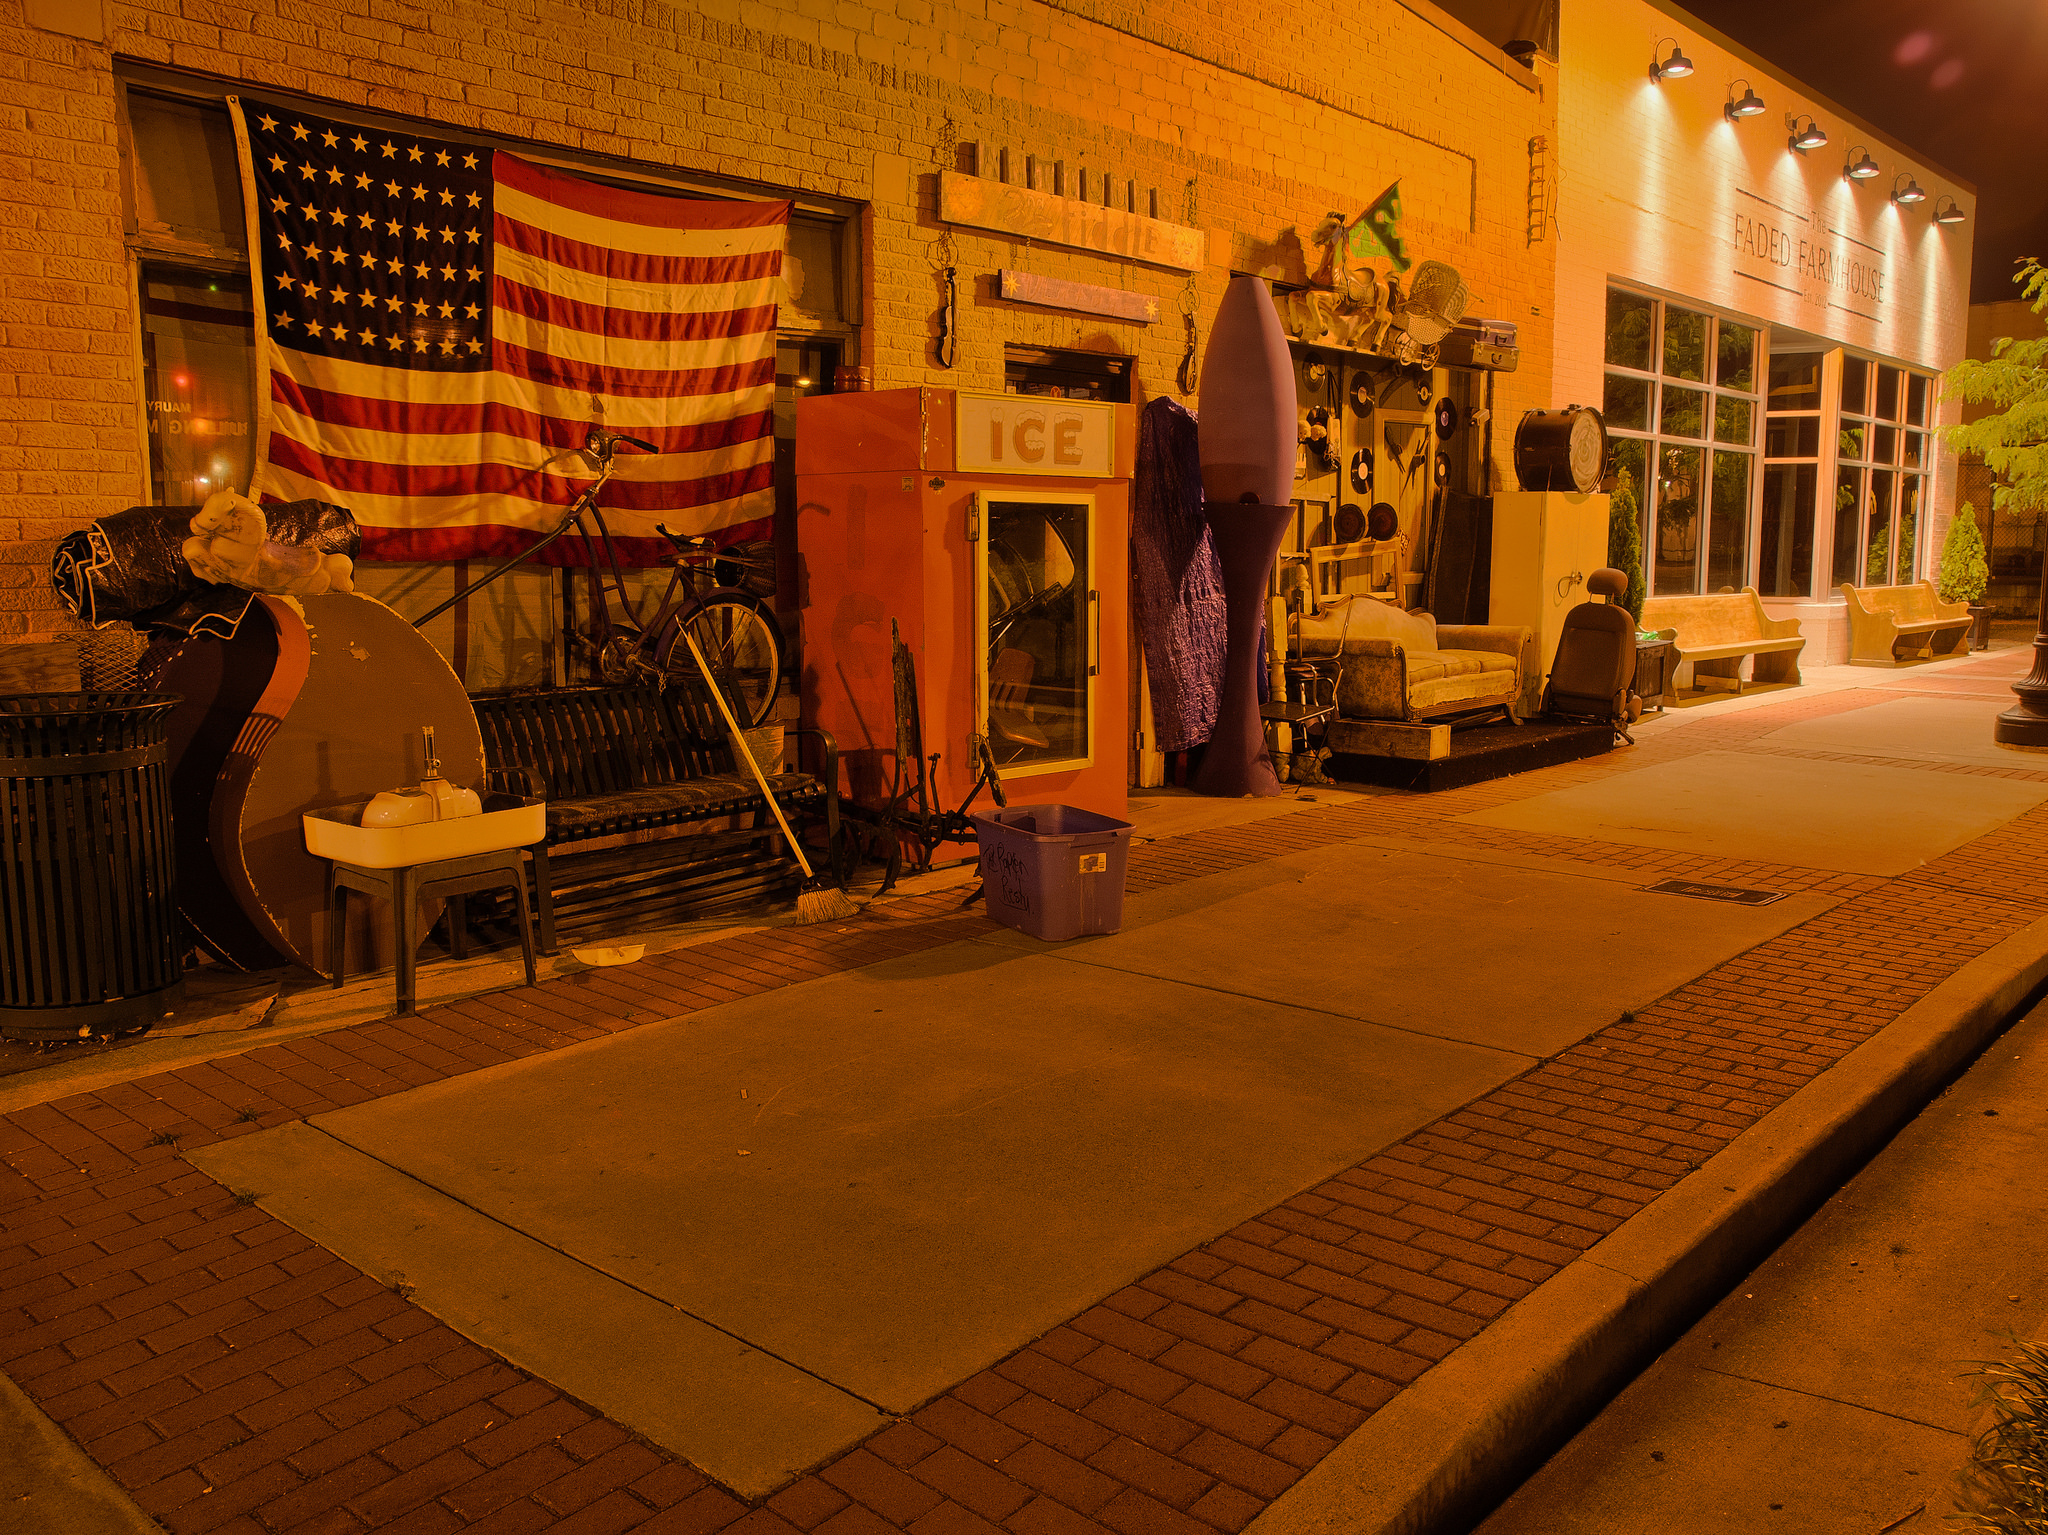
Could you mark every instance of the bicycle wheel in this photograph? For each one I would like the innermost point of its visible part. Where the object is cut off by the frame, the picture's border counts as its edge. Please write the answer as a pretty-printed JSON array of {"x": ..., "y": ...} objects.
[{"x": 739, "y": 640}]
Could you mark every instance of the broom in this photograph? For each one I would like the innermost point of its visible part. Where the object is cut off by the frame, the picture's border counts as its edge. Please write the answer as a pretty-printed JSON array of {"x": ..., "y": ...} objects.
[{"x": 820, "y": 900}]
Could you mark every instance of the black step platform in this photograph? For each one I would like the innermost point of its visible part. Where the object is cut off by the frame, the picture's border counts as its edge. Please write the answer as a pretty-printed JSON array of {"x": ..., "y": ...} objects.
[{"x": 1478, "y": 754}]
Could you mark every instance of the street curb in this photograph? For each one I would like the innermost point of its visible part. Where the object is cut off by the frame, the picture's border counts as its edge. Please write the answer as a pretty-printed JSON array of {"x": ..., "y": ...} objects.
[
  {"x": 1436, "y": 1458},
  {"x": 50, "y": 1485}
]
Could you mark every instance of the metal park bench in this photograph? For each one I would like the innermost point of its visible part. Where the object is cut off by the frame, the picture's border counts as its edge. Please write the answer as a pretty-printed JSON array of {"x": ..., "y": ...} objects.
[{"x": 649, "y": 817}]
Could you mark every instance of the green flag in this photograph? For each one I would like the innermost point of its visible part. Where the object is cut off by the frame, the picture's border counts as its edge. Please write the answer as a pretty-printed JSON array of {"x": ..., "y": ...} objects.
[{"x": 1377, "y": 231}]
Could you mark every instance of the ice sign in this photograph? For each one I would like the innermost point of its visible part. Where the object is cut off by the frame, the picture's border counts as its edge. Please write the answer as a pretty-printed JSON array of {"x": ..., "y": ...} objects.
[{"x": 1028, "y": 434}]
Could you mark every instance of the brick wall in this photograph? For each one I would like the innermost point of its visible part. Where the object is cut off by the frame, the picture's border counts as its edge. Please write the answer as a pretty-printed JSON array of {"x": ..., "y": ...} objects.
[
  {"x": 70, "y": 391},
  {"x": 1311, "y": 110}
]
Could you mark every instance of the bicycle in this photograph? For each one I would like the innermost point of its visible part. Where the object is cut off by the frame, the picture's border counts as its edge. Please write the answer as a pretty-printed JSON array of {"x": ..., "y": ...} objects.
[{"x": 733, "y": 626}]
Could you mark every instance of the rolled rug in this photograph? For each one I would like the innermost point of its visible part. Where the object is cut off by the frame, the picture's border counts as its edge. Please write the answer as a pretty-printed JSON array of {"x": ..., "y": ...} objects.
[{"x": 131, "y": 567}]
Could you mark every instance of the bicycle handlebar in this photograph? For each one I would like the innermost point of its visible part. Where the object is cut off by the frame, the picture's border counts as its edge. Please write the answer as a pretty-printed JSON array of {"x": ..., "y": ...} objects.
[{"x": 600, "y": 444}]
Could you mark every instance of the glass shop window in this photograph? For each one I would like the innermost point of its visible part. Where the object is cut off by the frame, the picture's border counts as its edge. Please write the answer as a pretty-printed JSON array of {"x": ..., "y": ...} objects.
[
  {"x": 184, "y": 181},
  {"x": 1067, "y": 375},
  {"x": 812, "y": 269},
  {"x": 1881, "y": 483},
  {"x": 1041, "y": 643},
  {"x": 1791, "y": 475},
  {"x": 1784, "y": 562},
  {"x": 197, "y": 332},
  {"x": 1682, "y": 410}
]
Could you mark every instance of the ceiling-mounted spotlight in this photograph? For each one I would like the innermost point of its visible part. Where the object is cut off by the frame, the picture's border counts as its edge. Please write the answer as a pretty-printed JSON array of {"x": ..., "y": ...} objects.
[
  {"x": 1749, "y": 104},
  {"x": 1677, "y": 67},
  {"x": 1948, "y": 211},
  {"x": 1863, "y": 169},
  {"x": 1812, "y": 136},
  {"x": 1908, "y": 194}
]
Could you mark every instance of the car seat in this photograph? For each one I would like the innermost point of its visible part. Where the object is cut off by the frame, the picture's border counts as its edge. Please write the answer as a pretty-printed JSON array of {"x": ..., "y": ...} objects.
[{"x": 1592, "y": 679}]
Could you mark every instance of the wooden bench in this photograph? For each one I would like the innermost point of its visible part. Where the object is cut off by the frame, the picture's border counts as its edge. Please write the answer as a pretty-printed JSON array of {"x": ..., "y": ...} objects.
[
  {"x": 1897, "y": 625},
  {"x": 1716, "y": 631},
  {"x": 649, "y": 817}
]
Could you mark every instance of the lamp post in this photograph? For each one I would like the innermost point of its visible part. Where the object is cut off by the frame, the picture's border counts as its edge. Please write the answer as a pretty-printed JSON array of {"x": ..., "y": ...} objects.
[{"x": 2024, "y": 727}]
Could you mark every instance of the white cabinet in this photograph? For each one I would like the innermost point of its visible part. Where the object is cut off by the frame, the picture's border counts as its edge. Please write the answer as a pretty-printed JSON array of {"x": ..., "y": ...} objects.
[{"x": 1545, "y": 544}]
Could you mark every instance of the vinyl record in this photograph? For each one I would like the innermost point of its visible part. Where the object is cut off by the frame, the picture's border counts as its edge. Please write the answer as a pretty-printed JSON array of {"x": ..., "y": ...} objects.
[
  {"x": 1350, "y": 524},
  {"x": 1361, "y": 471},
  {"x": 1382, "y": 521},
  {"x": 1446, "y": 419},
  {"x": 1443, "y": 467},
  {"x": 1361, "y": 393}
]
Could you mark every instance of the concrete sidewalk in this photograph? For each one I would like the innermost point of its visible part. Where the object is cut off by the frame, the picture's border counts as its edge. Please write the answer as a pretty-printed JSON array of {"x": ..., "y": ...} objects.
[{"x": 911, "y": 1223}]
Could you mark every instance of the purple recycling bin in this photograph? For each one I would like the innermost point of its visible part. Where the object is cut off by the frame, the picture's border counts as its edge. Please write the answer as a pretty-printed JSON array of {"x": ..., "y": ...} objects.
[{"x": 1053, "y": 871}]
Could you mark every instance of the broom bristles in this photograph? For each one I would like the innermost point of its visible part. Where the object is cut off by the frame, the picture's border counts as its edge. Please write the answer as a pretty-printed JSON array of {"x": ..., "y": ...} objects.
[{"x": 828, "y": 903}]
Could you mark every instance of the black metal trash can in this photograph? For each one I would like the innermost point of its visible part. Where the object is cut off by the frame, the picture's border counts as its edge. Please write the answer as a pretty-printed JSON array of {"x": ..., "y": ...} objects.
[{"x": 88, "y": 915}]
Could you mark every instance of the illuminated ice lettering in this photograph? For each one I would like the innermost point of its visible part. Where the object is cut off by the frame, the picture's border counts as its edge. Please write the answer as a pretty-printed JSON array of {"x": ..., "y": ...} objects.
[{"x": 1006, "y": 869}]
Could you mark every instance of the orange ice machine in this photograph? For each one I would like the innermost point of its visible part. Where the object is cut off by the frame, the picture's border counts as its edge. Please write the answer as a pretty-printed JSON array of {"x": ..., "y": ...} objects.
[{"x": 994, "y": 529}]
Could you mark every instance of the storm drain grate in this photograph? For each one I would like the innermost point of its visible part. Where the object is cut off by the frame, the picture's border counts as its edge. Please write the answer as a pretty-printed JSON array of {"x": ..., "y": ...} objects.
[{"x": 1734, "y": 893}]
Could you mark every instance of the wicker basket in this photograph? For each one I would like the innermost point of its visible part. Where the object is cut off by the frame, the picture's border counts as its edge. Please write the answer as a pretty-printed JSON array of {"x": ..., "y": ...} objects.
[{"x": 767, "y": 743}]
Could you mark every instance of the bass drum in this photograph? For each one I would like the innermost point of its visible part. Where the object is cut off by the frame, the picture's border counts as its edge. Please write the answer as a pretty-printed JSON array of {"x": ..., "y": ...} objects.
[{"x": 1561, "y": 450}]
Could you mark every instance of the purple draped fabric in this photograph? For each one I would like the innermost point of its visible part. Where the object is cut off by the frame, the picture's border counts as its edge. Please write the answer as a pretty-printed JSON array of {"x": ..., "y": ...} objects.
[{"x": 1179, "y": 588}]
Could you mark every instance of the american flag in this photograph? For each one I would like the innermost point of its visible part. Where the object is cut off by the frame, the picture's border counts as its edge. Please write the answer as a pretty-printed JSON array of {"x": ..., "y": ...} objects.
[{"x": 441, "y": 325}]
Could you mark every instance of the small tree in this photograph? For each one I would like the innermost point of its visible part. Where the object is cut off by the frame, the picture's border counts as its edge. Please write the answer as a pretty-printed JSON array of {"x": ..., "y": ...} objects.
[
  {"x": 2013, "y": 439},
  {"x": 1625, "y": 543},
  {"x": 1964, "y": 575}
]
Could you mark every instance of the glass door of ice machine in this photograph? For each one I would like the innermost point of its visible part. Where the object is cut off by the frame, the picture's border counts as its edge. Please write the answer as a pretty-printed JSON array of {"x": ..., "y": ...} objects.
[{"x": 1038, "y": 616}]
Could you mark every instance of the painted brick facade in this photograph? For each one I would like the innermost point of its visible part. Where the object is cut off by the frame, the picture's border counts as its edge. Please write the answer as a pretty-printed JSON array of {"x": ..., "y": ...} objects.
[{"x": 1274, "y": 124}]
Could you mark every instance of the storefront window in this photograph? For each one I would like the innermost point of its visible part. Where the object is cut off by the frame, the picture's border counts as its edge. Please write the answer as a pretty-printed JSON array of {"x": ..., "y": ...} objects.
[
  {"x": 1848, "y": 529},
  {"x": 1631, "y": 324},
  {"x": 1882, "y": 481},
  {"x": 1784, "y": 555},
  {"x": 197, "y": 333},
  {"x": 1677, "y": 545},
  {"x": 1736, "y": 368},
  {"x": 1727, "y": 567},
  {"x": 1681, "y": 416},
  {"x": 1916, "y": 399},
  {"x": 1677, "y": 379},
  {"x": 1629, "y": 460},
  {"x": 1791, "y": 432},
  {"x": 1888, "y": 393},
  {"x": 1626, "y": 404},
  {"x": 1685, "y": 344},
  {"x": 1855, "y": 387},
  {"x": 1877, "y": 566},
  {"x": 1795, "y": 381}
]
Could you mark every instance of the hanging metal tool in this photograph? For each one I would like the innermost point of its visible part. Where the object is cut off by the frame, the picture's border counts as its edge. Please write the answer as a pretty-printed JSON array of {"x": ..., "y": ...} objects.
[
  {"x": 1190, "y": 299},
  {"x": 948, "y": 348},
  {"x": 946, "y": 260}
]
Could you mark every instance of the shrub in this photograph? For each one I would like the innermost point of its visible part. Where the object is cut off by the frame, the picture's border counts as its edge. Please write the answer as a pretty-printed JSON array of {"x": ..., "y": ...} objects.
[
  {"x": 1964, "y": 575},
  {"x": 1625, "y": 543},
  {"x": 2005, "y": 1485}
]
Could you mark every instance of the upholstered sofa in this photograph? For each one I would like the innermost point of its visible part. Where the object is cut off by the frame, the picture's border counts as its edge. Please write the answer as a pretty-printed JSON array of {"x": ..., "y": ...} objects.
[{"x": 1408, "y": 667}]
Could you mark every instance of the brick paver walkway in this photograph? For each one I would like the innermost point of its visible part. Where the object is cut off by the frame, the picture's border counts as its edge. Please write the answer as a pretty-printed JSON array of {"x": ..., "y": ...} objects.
[{"x": 236, "y": 1377}]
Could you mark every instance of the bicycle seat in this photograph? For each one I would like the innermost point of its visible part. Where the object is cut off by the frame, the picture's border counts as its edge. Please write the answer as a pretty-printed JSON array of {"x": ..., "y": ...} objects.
[{"x": 685, "y": 543}]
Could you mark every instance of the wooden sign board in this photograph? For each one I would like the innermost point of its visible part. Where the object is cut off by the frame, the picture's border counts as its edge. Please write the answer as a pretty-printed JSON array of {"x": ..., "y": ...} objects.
[
  {"x": 1081, "y": 297},
  {"x": 980, "y": 203},
  {"x": 1032, "y": 434}
]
